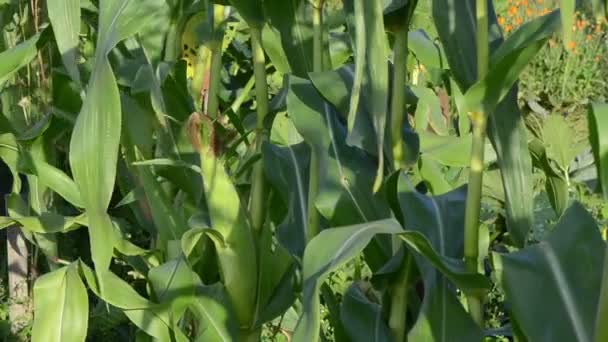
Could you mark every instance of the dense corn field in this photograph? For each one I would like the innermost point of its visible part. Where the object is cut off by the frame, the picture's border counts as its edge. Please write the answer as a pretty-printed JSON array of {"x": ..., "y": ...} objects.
[{"x": 304, "y": 170}]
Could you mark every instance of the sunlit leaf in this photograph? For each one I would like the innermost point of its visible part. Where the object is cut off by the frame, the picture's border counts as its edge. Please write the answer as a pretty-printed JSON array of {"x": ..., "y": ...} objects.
[
  {"x": 146, "y": 315},
  {"x": 61, "y": 306},
  {"x": 65, "y": 18},
  {"x": 96, "y": 135}
]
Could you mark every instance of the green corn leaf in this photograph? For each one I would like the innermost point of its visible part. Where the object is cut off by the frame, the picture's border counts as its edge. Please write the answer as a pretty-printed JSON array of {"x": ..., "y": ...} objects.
[
  {"x": 339, "y": 87},
  {"x": 96, "y": 136},
  {"x": 286, "y": 169},
  {"x": 146, "y": 315},
  {"x": 326, "y": 252},
  {"x": 433, "y": 176},
  {"x": 65, "y": 19},
  {"x": 560, "y": 142},
  {"x": 455, "y": 23},
  {"x": 45, "y": 223},
  {"x": 363, "y": 319},
  {"x": 333, "y": 247},
  {"x": 543, "y": 284},
  {"x": 292, "y": 19},
  {"x": 447, "y": 150},
  {"x": 377, "y": 73},
  {"x": 347, "y": 172},
  {"x": 275, "y": 290},
  {"x": 598, "y": 126},
  {"x": 556, "y": 185},
  {"x": 451, "y": 150},
  {"x": 440, "y": 219},
  {"x": 61, "y": 306},
  {"x": 16, "y": 58},
  {"x": 357, "y": 23},
  {"x": 37, "y": 129},
  {"x": 169, "y": 223},
  {"x": 425, "y": 50},
  {"x": 507, "y": 133},
  {"x": 94, "y": 153},
  {"x": 53, "y": 178},
  {"x": 271, "y": 39},
  {"x": 9, "y": 153},
  {"x": 428, "y": 111},
  {"x": 177, "y": 285},
  {"x": 508, "y": 61}
]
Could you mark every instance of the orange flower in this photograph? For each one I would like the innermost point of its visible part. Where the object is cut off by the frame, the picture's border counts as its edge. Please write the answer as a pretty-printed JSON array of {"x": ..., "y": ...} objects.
[
  {"x": 508, "y": 28},
  {"x": 540, "y": 1},
  {"x": 589, "y": 37},
  {"x": 518, "y": 21},
  {"x": 545, "y": 11},
  {"x": 580, "y": 24},
  {"x": 524, "y": 3},
  {"x": 529, "y": 12},
  {"x": 501, "y": 21},
  {"x": 572, "y": 45},
  {"x": 512, "y": 10}
]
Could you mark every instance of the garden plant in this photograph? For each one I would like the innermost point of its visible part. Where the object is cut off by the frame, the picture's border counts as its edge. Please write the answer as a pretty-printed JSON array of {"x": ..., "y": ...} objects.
[{"x": 304, "y": 170}]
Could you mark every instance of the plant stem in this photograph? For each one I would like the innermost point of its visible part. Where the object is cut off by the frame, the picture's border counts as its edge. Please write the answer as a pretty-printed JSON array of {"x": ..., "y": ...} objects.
[
  {"x": 398, "y": 316},
  {"x": 313, "y": 185},
  {"x": 261, "y": 92},
  {"x": 399, "y": 295},
  {"x": 398, "y": 96},
  {"x": 473, "y": 208}
]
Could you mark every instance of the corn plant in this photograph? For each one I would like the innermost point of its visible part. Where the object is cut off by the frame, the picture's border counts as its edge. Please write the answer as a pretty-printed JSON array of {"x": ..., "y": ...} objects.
[{"x": 303, "y": 170}]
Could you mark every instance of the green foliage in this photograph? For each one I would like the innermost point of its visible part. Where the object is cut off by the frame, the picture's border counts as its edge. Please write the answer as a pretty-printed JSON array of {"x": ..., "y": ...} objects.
[
  {"x": 297, "y": 170},
  {"x": 565, "y": 79}
]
